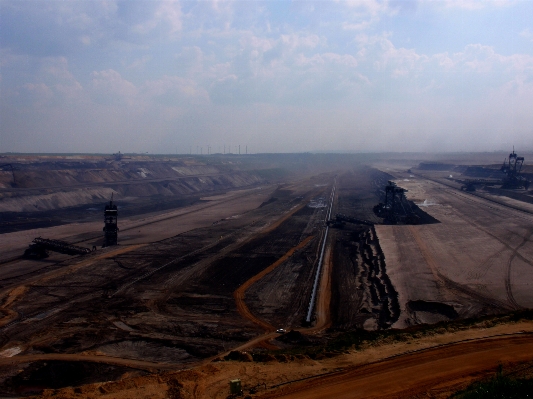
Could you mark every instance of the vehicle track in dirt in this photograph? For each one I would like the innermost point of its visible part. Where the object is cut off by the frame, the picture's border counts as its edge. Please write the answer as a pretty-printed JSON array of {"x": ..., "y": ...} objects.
[
  {"x": 267, "y": 220},
  {"x": 12, "y": 294},
  {"x": 508, "y": 286},
  {"x": 173, "y": 214},
  {"x": 323, "y": 301},
  {"x": 240, "y": 293},
  {"x": 514, "y": 254},
  {"x": 460, "y": 193},
  {"x": 446, "y": 282},
  {"x": 166, "y": 216},
  {"x": 247, "y": 232},
  {"x": 498, "y": 210}
]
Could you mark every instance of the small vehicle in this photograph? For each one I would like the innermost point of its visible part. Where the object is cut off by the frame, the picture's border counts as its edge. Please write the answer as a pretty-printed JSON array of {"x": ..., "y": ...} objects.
[{"x": 281, "y": 331}]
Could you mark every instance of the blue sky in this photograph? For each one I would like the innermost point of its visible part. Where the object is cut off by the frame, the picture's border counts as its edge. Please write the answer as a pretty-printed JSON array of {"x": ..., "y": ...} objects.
[{"x": 276, "y": 76}]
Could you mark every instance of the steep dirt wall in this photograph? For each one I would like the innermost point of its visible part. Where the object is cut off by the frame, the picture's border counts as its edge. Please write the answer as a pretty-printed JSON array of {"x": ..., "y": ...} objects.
[
  {"x": 46, "y": 186},
  {"x": 189, "y": 185},
  {"x": 56, "y": 174},
  {"x": 56, "y": 200}
]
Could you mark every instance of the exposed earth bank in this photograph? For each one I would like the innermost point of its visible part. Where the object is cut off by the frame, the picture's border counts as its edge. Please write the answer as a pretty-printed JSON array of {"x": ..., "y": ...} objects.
[{"x": 426, "y": 363}]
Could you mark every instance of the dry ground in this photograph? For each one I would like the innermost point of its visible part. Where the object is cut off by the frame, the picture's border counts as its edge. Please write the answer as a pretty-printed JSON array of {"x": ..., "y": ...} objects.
[
  {"x": 477, "y": 260},
  {"x": 188, "y": 284},
  {"x": 162, "y": 304},
  {"x": 433, "y": 366}
]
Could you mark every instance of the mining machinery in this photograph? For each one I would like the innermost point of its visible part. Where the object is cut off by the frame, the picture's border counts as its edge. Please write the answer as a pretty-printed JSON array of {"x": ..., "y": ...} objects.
[
  {"x": 41, "y": 246},
  {"x": 110, "y": 224},
  {"x": 119, "y": 157},
  {"x": 396, "y": 209},
  {"x": 512, "y": 167},
  {"x": 471, "y": 184}
]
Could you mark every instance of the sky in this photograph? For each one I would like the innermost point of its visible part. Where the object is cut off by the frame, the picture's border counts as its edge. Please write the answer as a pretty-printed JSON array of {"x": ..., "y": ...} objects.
[{"x": 271, "y": 76}]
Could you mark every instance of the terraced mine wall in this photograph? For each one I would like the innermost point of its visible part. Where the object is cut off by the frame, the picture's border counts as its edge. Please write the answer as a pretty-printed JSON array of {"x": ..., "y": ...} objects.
[
  {"x": 49, "y": 193},
  {"x": 72, "y": 184}
]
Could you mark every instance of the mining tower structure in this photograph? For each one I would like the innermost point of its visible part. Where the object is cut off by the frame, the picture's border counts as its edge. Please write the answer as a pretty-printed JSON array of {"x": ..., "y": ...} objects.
[
  {"x": 110, "y": 227},
  {"x": 512, "y": 167},
  {"x": 396, "y": 209}
]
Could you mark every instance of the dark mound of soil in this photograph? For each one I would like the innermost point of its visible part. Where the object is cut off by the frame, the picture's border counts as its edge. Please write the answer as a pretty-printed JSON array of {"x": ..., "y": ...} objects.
[
  {"x": 433, "y": 307},
  {"x": 58, "y": 374},
  {"x": 295, "y": 338}
]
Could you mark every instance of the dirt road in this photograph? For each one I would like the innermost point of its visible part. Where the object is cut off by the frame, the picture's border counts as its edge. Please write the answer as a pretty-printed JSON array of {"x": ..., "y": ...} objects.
[
  {"x": 323, "y": 300},
  {"x": 408, "y": 375},
  {"x": 240, "y": 293}
]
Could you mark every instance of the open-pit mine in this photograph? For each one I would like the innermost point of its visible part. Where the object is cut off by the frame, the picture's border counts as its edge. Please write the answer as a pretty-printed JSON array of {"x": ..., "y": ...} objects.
[{"x": 256, "y": 268}]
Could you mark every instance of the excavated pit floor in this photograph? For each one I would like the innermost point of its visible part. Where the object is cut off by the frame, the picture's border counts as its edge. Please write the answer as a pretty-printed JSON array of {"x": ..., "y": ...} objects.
[{"x": 170, "y": 300}]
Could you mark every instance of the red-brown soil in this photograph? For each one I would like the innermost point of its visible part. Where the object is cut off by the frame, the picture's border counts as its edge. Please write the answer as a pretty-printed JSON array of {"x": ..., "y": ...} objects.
[{"x": 435, "y": 370}]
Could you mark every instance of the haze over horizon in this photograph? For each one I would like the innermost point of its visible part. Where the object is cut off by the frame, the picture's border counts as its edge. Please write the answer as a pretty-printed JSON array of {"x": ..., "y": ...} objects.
[{"x": 275, "y": 76}]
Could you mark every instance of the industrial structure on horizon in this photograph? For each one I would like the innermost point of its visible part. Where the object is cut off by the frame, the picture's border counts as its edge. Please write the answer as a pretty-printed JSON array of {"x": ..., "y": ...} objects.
[
  {"x": 513, "y": 180},
  {"x": 110, "y": 227},
  {"x": 512, "y": 167}
]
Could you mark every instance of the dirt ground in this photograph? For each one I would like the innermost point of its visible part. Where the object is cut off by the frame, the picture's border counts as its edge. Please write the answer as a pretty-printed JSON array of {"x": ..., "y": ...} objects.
[
  {"x": 164, "y": 296},
  {"x": 222, "y": 269},
  {"x": 432, "y": 366},
  {"x": 433, "y": 373},
  {"x": 477, "y": 260}
]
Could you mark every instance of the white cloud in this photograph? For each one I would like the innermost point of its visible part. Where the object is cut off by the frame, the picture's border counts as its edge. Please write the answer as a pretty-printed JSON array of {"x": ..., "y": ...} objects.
[
  {"x": 444, "y": 61},
  {"x": 174, "y": 90},
  {"x": 57, "y": 67},
  {"x": 469, "y": 4},
  {"x": 108, "y": 86},
  {"x": 359, "y": 26},
  {"x": 139, "y": 63},
  {"x": 169, "y": 12},
  {"x": 385, "y": 56},
  {"x": 294, "y": 41},
  {"x": 56, "y": 71},
  {"x": 39, "y": 90},
  {"x": 53, "y": 85},
  {"x": 203, "y": 67},
  {"x": 527, "y": 34},
  {"x": 369, "y": 7},
  {"x": 326, "y": 59},
  {"x": 484, "y": 59},
  {"x": 362, "y": 14}
]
